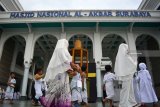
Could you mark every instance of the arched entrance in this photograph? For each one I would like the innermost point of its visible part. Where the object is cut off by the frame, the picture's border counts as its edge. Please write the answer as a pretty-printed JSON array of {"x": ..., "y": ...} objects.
[
  {"x": 12, "y": 60},
  {"x": 86, "y": 43},
  {"x": 43, "y": 50},
  {"x": 148, "y": 46},
  {"x": 110, "y": 45}
]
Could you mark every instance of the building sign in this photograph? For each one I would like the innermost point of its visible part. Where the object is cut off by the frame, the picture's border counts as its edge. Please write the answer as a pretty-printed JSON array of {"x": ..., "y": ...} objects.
[{"x": 94, "y": 13}]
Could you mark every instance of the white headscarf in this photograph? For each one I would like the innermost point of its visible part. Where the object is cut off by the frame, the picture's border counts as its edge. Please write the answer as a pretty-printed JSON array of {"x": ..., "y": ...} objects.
[
  {"x": 60, "y": 61},
  {"x": 142, "y": 66},
  {"x": 124, "y": 64},
  {"x": 143, "y": 69}
]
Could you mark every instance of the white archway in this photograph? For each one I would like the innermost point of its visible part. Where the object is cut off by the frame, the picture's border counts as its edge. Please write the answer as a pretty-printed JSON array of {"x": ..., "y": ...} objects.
[
  {"x": 43, "y": 49},
  {"x": 11, "y": 62},
  {"x": 110, "y": 44}
]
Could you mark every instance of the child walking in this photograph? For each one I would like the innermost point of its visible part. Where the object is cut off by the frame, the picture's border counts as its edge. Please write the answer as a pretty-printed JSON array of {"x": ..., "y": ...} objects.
[
  {"x": 38, "y": 85},
  {"x": 10, "y": 89},
  {"x": 84, "y": 86},
  {"x": 109, "y": 86},
  {"x": 76, "y": 85}
]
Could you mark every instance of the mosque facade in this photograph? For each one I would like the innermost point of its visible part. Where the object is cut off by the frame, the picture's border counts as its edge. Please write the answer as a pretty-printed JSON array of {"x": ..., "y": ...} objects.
[{"x": 28, "y": 39}]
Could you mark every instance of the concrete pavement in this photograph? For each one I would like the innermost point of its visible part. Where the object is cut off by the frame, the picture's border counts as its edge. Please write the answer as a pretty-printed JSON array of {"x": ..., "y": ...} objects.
[{"x": 28, "y": 104}]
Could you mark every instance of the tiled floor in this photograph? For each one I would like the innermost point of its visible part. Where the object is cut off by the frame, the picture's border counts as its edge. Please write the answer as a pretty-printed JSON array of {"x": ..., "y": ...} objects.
[{"x": 28, "y": 104}]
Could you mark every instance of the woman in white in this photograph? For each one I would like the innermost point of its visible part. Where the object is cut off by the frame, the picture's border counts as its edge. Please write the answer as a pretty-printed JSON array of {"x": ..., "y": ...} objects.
[
  {"x": 147, "y": 94},
  {"x": 125, "y": 67},
  {"x": 57, "y": 79},
  {"x": 109, "y": 86}
]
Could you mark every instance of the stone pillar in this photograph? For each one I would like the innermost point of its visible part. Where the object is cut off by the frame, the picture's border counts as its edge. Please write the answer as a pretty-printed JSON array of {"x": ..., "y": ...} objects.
[
  {"x": 30, "y": 88},
  {"x": 63, "y": 35},
  {"x": 98, "y": 56},
  {"x": 27, "y": 63},
  {"x": 13, "y": 64},
  {"x": 132, "y": 45},
  {"x": 25, "y": 80}
]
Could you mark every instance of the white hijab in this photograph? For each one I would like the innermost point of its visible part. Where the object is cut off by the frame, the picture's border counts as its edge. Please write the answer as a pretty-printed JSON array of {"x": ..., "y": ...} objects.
[
  {"x": 142, "y": 66},
  {"x": 124, "y": 64},
  {"x": 144, "y": 71},
  {"x": 60, "y": 61}
]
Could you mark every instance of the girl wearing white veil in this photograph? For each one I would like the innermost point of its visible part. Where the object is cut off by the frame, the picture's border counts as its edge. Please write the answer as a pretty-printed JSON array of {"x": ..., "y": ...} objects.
[
  {"x": 125, "y": 67},
  {"x": 57, "y": 79},
  {"x": 147, "y": 94}
]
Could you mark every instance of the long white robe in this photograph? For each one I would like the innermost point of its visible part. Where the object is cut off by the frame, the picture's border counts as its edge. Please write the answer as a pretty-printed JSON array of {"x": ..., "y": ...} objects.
[
  {"x": 125, "y": 67},
  {"x": 147, "y": 94},
  {"x": 57, "y": 80},
  {"x": 10, "y": 90},
  {"x": 38, "y": 88},
  {"x": 136, "y": 88}
]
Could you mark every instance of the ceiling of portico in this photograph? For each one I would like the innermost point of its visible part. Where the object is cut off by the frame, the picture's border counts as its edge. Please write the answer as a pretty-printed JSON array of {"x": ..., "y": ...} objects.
[
  {"x": 19, "y": 40},
  {"x": 110, "y": 45},
  {"x": 45, "y": 44},
  {"x": 44, "y": 48},
  {"x": 146, "y": 42}
]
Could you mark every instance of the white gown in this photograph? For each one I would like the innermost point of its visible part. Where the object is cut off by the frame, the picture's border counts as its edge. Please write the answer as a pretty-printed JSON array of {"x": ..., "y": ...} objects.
[
  {"x": 10, "y": 90},
  {"x": 108, "y": 81},
  {"x": 125, "y": 67},
  {"x": 147, "y": 94},
  {"x": 38, "y": 88},
  {"x": 136, "y": 89}
]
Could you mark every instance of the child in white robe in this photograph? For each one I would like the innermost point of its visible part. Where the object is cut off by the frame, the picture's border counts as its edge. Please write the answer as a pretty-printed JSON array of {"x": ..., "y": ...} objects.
[
  {"x": 10, "y": 88},
  {"x": 109, "y": 85},
  {"x": 76, "y": 86},
  {"x": 147, "y": 94},
  {"x": 38, "y": 85},
  {"x": 84, "y": 86}
]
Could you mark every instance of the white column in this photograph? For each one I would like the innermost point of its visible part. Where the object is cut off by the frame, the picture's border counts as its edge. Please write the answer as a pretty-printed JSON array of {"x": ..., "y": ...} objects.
[
  {"x": 13, "y": 64},
  {"x": 27, "y": 63},
  {"x": 63, "y": 35},
  {"x": 28, "y": 55},
  {"x": 25, "y": 79},
  {"x": 98, "y": 56},
  {"x": 132, "y": 45}
]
